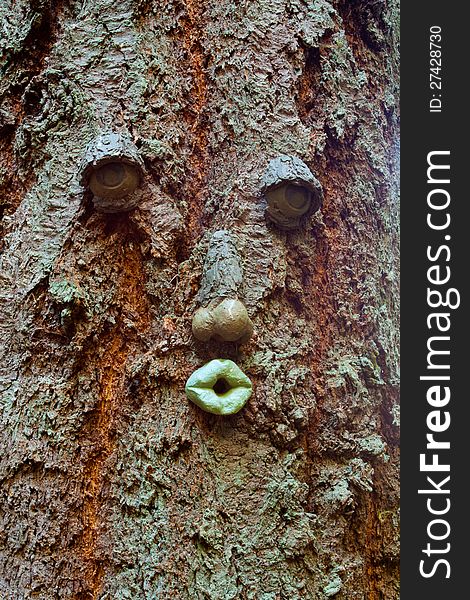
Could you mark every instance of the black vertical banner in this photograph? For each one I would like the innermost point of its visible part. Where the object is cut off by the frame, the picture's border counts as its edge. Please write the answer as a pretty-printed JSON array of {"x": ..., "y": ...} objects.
[{"x": 435, "y": 441}]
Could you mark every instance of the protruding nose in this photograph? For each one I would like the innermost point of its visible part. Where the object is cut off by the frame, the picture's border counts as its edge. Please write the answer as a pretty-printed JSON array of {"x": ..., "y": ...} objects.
[
  {"x": 225, "y": 320},
  {"x": 222, "y": 315}
]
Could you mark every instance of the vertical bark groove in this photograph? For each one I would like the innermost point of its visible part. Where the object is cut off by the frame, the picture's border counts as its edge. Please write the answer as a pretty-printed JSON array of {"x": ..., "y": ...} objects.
[
  {"x": 199, "y": 158},
  {"x": 110, "y": 354}
]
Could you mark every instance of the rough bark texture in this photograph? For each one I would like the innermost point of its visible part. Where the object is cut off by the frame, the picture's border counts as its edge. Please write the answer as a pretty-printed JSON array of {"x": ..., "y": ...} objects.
[{"x": 114, "y": 485}]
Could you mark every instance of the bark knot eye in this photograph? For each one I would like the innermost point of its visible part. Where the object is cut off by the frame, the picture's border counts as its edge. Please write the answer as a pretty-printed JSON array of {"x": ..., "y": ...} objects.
[
  {"x": 298, "y": 198},
  {"x": 113, "y": 169},
  {"x": 291, "y": 191},
  {"x": 111, "y": 175},
  {"x": 114, "y": 180}
]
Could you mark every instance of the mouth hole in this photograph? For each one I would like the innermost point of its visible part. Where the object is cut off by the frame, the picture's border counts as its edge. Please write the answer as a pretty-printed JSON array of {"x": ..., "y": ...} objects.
[{"x": 221, "y": 386}]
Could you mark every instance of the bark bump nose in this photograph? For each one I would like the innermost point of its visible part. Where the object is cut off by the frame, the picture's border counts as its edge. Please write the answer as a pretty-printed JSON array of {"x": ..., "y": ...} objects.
[
  {"x": 225, "y": 320},
  {"x": 222, "y": 315},
  {"x": 291, "y": 191},
  {"x": 112, "y": 168},
  {"x": 219, "y": 387}
]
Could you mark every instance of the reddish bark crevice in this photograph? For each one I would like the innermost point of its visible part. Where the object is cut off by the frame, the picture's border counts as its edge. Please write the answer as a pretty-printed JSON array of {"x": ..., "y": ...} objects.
[
  {"x": 199, "y": 158},
  {"x": 110, "y": 353},
  {"x": 115, "y": 355}
]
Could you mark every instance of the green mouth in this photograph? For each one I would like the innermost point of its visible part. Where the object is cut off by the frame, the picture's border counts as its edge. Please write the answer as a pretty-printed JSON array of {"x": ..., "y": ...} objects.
[{"x": 219, "y": 387}]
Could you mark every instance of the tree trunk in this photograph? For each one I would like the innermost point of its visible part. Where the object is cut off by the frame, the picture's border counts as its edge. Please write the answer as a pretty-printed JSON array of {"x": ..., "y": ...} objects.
[{"x": 113, "y": 484}]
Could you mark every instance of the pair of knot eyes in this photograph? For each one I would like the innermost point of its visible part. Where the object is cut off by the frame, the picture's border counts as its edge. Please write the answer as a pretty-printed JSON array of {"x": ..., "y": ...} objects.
[{"x": 113, "y": 169}]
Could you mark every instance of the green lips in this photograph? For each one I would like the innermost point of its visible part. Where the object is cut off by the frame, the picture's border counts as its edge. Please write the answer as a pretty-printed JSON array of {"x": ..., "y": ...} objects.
[{"x": 219, "y": 387}]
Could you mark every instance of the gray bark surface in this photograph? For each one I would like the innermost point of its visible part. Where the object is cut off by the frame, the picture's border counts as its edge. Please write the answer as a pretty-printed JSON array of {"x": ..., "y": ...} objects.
[{"x": 112, "y": 484}]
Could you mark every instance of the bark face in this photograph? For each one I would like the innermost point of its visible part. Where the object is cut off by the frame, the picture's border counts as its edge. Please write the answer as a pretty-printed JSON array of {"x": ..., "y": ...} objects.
[{"x": 113, "y": 484}]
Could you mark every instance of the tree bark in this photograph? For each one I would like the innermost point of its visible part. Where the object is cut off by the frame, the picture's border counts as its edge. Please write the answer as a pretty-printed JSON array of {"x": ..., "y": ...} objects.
[{"x": 114, "y": 485}]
